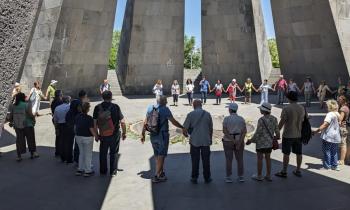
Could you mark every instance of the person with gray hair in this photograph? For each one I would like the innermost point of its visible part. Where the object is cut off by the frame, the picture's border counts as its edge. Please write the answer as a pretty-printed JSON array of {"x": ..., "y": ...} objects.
[{"x": 199, "y": 124}]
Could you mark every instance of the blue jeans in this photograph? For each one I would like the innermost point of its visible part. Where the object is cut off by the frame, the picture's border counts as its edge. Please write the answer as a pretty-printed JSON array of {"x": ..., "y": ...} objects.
[
  {"x": 160, "y": 143},
  {"x": 264, "y": 97},
  {"x": 280, "y": 94},
  {"x": 204, "y": 95},
  {"x": 330, "y": 155},
  {"x": 110, "y": 143},
  {"x": 190, "y": 97}
]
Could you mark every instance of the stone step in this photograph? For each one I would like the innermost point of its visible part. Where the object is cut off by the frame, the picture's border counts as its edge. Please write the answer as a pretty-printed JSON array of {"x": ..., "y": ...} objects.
[{"x": 113, "y": 80}]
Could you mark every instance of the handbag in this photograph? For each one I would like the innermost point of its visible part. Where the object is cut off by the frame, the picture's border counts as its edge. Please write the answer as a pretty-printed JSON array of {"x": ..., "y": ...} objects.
[{"x": 275, "y": 145}]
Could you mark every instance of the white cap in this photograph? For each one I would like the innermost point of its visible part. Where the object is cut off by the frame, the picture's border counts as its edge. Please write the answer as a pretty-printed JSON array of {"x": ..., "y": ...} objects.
[
  {"x": 234, "y": 80},
  {"x": 17, "y": 84}
]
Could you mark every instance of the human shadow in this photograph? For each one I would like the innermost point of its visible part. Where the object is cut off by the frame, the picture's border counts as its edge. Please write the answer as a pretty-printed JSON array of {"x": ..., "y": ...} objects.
[{"x": 7, "y": 139}]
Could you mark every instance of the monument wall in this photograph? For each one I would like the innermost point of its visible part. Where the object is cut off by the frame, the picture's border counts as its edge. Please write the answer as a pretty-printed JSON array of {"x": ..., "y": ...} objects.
[
  {"x": 152, "y": 45},
  {"x": 234, "y": 41},
  {"x": 17, "y": 22},
  {"x": 313, "y": 39},
  {"x": 71, "y": 45}
]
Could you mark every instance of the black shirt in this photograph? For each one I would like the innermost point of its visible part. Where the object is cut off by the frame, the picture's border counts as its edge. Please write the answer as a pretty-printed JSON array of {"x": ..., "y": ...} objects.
[
  {"x": 83, "y": 123},
  {"x": 117, "y": 115},
  {"x": 55, "y": 103}
]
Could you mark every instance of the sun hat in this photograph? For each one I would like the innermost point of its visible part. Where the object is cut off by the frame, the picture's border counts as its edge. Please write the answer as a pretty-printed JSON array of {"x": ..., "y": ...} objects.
[
  {"x": 53, "y": 82},
  {"x": 234, "y": 80},
  {"x": 266, "y": 107}
]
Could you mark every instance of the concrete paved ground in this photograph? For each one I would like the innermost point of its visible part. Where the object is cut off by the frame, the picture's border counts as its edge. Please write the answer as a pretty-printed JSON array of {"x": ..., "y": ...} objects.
[{"x": 45, "y": 183}]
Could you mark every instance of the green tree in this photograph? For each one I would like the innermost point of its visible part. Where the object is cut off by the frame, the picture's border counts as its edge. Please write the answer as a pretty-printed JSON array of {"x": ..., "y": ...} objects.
[
  {"x": 274, "y": 53},
  {"x": 113, "y": 53},
  {"x": 192, "y": 54}
]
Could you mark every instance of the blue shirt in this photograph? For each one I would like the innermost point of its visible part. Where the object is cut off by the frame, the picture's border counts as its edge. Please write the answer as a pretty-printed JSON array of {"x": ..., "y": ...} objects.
[
  {"x": 60, "y": 113},
  {"x": 204, "y": 86},
  {"x": 164, "y": 116}
]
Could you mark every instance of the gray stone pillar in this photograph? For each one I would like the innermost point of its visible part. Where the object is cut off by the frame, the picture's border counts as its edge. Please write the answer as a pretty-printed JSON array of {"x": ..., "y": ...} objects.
[
  {"x": 152, "y": 45},
  {"x": 17, "y": 21},
  {"x": 71, "y": 44},
  {"x": 234, "y": 41},
  {"x": 310, "y": 36}
]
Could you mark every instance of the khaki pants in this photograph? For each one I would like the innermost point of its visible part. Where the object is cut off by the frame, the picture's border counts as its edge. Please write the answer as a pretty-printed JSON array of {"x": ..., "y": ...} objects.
[{"x": 230, "y": 149}]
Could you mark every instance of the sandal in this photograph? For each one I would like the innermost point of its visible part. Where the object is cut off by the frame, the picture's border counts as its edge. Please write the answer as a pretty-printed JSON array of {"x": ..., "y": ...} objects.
[
  {"x": 297, "y": 173},
  {"x": 281, "y": 174}
]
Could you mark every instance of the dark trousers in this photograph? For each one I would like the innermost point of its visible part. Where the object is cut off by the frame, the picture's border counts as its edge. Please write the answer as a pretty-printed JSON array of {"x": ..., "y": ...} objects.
[
  {"x": 218, "y": 99},
  {"x": 110, "y": 143},
  {"x": 175, "y": 98},
  {"x": 204, "y": 95},
  {"x": 196, "y": 154},
  {"x": 76, "y": 152},
  {"x": 57, "y": 148},
  {"x": 24, "y": 135},
  {"x": 190, "y": 97},
  {"x": 66, "y": 140}
]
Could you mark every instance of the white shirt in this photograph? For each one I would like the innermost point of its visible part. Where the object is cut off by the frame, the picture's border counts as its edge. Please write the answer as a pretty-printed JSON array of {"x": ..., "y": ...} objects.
[
  {"x": 189, "y": 88},
  {"x": 332, "y": 133},
  {"x": 158, "y": 90},
  {"x": 218, "y": 87},
  {"x": 265, "y": 88},
  {"x": 175, "y": 89},
  {"x": 308, "y": 86},
  {"x": 293, "y": 87}
]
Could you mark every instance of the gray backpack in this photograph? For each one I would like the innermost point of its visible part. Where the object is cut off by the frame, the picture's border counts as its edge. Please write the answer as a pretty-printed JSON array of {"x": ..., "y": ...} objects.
[
  {"x": 19, "y": 117},
  {"x": 152, "y": 124}
]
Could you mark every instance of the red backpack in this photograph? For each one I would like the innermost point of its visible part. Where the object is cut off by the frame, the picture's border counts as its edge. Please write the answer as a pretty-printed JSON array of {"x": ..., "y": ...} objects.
[{"x": 105, "y": 123}]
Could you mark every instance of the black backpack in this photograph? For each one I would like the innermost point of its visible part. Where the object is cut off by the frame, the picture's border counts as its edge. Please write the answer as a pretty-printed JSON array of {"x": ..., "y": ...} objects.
[{"x": 306, "y": 132}]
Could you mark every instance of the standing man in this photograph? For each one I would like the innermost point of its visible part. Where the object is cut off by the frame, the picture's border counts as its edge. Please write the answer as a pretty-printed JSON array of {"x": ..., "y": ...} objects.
[
  {"x": 291, "y": 121},
  {"x": 199, "y": 124},
  {"x": 160, "y": 138},
  {"x": 108, "y": 119},
  {"x": 205, "y": 87},
  {"x": 235, "y": 130},
  {"x": 105, "y": 86},
  {"x": 281, "y": 87},
  {"x": 50, "y": 92}
]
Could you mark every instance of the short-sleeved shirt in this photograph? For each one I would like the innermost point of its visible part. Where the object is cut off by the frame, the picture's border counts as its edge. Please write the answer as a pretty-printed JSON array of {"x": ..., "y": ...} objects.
[
  {"x": 345, "y": 110},
  {"x": 51, "y": 91},
  {"x": 281, "y": 84},
  {"x": 175, "y": 89},
  {"x": 190, "y": 88},
  {"x": 83, "y": 123},
  {"x": 328, "y": 134},
  {"x": 105, "y": 87},
  {"x": 60, "y": 113},
  {"x": 116, "y": 113},
  {"x": 248, "y": 87},
  {"x": 204, "y": 86},
  {"x": 267, "y": 128},
  {"x": 265, "y": 88},
  {"x": 293, "y": 116},
  {"x": 164, "y": 116},
  {"x": 293, "y": 87},
  {"x": 218, "y": 87},
  {"x": 234, "y": 124},
  {"x": 308, "y": 86}
]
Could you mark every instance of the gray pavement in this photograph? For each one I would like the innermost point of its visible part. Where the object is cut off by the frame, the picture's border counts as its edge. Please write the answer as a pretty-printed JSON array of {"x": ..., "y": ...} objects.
[{"x": 46, "y": 183}]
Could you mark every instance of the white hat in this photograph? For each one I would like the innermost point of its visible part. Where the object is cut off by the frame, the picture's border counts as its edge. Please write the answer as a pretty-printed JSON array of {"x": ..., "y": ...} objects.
[
  {"x": 17, "y": 84},
  {"x": 234, "y": 80},
  {"x": 265, "y": 107},
  {"x": 53, "y": 82},
  {"x": 281, "y": 75}
]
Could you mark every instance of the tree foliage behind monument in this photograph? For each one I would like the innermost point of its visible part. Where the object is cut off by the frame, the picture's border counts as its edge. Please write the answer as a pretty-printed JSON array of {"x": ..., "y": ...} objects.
[
  {"x": 113, "y": 53},
  {"x": 274, "y": 53},
  {"x": 191, "y": 51}
]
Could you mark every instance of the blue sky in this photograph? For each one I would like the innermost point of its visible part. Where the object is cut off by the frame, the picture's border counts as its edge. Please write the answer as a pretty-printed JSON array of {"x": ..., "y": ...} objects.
[{"x": 193, "y": 18}]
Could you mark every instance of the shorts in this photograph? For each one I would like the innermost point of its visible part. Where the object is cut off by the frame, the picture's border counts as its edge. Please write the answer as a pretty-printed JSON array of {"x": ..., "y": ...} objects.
[
  {"x": 292, "y": 145},
  {"x": 160, "y": 143},
  {"x": 248, "y": 94},
  {"x": 264, "y": 150}
]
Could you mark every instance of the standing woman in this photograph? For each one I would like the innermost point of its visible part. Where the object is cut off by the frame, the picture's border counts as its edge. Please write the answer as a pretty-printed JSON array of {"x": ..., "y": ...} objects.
[
  {"x": 50, "y": 93},
  {"x": 175, "y": 91},
  {"x": 219, "y": 88},
  {"x": 248, "y": 89},
  {"x": 35, "y": 97},
  {"x": 158, "y": 89},
  {"x": 322, "y": 92},
  {"x": 264, "y": 89},
  {"x": 330, "y": 135},
  {"x": 232, "y": 90},
  {"x": 308, "y": 89},
  {"x": 343, "y": 118},
  {"x": 23, "y": 122},
  {"x": 293, "y": 87},
  {"x": 189, "y": 90}
]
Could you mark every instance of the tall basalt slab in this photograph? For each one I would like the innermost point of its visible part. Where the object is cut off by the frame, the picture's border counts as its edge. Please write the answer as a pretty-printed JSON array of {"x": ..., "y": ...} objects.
[
  {"x": 152, "y": 45},
  {"x": 17, "y": 22},
  {"x": 234, "y": 41},
  {"x": 313, "y": 39}
]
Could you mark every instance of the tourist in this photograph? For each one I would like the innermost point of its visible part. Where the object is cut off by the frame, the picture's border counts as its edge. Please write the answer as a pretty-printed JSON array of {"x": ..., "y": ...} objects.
[
  {"x": 343, "y": 118},
  {"x": 264, "y": 89},
  {"x": 232, "y": 90},
  {"x": 50, "y": 92},
  {"x": 189, "y": 90},
  {"x": 330, "y": 136},
  {"x": 234, "y": 129},
  {"x": 17, "y": 89},
  {"x": 175, "y": 92},
  {"x": 204, "y": 89},
  {"x": 65, "y": 143},
  {"x": 108, "y": 119},
  {"x": 218, "y": 89},
  {"x": 281, "y": 87},
  {"x": 309, "y": 90},
  {"x": 105, "y": 86},
  {"x": 341, "y": 88},
  {"x": 292, "y": 118},
  {"x": 199, "y": 125},
  {"x": 84, "y": 135},
  {"x": 160, "y": 138},
  {"x": 35, "y": 97},
  {"x": 266, "y": 132},
  {"x": 55, "y": 103},
  {"x": 292, "y": 87},
  {"x": 248, "y": 89},
  {"x": 158, "y": 89},
  {"x": 23, "y": 121},
  {"x": 322, "y": 92}
]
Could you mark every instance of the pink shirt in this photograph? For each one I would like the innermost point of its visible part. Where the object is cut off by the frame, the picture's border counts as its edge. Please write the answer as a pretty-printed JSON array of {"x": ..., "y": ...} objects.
[{"x": 282, "y": 84}]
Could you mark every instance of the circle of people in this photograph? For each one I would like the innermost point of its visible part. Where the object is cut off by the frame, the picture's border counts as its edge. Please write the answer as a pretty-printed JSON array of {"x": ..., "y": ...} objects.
[{"x": 76, "y": 131}]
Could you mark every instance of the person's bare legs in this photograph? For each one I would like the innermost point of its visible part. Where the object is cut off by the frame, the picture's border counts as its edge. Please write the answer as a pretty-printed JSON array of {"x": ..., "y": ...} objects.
[
  {"x": 159, "y": 165},
  {"x": 260, "y": 157},
  {"x": 268, "y": 164},
  {"x": 285, "y": 163},
  {"x": 343, "y": 150}
]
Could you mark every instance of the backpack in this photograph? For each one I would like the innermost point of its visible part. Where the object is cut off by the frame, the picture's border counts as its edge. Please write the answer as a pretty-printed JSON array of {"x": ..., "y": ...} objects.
[
  {"x": 105, "y": 123},
  {"x": 306, "y": 132},
  {"x": 18, "y": 117},
  {"x": 152, "y": 124}
]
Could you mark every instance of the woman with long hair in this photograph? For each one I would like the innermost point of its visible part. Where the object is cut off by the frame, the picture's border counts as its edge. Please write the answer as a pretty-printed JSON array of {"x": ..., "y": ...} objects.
[
  {"x": 175, "y": 92},
  {"x": 189, "y": 91},
  {"x": 158, "y": 89},
  {"x": 35, "y": 97}
]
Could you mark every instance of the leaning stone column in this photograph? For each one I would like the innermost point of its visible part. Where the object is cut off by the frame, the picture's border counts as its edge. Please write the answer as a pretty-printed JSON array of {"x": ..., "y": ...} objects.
[
  {"x": 313, "y": 39},
  {"x": 152, "y": 45},
  {"x": 17, "y": 21},
  {"x": 234, "y": 41}
]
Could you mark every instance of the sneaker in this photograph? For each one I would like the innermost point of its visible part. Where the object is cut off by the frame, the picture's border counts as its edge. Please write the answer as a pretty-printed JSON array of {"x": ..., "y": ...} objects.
[
  {"x": 79, "y": 173},
  {"x": 114, "y": 173},
  {"x": 257, "y": 178},
  {"x": 155, "y": 179},
  {"x": 34, "y": 155},
  {"x": 297, "y": 173},
  {"x": 336, "y": 168},
  {"x": 241, "y": 179},
  {"x": 163, "y": 177},
  {"x": 194, "y": 181},
  {"x": 88, "y": 174},
  {"x": 228, "y": 179}
]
